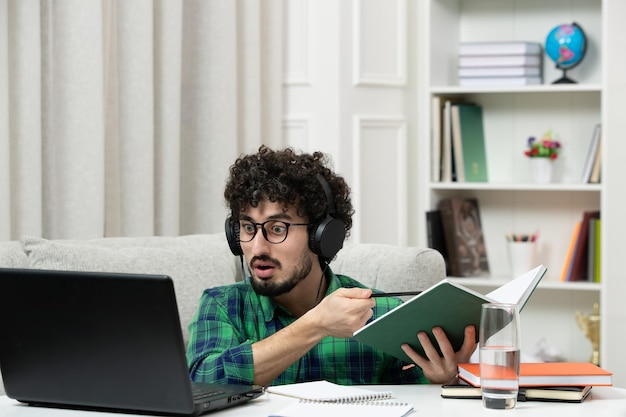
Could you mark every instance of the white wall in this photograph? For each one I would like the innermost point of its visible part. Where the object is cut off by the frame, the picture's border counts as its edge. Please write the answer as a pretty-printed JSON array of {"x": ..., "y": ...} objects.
[{"x": 348, "y": 92}]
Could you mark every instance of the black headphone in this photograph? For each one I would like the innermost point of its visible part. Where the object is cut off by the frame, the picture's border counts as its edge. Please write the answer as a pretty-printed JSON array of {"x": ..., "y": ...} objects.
[{"x": 325, "y": 237}]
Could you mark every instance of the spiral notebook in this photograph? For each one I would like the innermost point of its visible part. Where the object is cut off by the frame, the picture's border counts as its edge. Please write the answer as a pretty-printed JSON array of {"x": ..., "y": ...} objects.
[
  {"x": 325, "y": 391},
  {"x": 305, "y": 408},
  {"x": 325, "y": 398}
]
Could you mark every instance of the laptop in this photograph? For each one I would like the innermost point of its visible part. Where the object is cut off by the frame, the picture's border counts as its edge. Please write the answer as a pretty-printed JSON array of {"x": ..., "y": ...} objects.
[{"x": 100, "y": 341}]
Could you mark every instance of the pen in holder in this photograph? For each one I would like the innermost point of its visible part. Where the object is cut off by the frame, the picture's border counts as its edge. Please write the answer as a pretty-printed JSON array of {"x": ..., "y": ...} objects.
[{"x": 522, "y": 252}]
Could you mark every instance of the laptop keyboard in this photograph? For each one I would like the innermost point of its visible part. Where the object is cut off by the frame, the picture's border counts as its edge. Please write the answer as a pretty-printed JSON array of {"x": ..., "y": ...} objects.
[{"x": 204, "y": 393}]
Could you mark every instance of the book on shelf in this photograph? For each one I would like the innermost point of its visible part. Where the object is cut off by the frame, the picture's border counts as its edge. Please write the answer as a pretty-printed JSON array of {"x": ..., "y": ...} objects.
[
  {"x": 446, "y": 304},
  {"x": 547, "y": 374},
  {"x": 500, "y": 48},
  {"x": 469, "y": 143},
  {"x": 567, "y": 265},
  {"x": 446, "y": 143},
  {"x": 597, "y": 266},
  {"x": 463, "y": 232},
  {"x": 578, "y": 271},
  {"x": 494, "y": 61},
  {"x": 441, "y": 146},
  {"x": 448, "y": 169},
  {"x": 596, "y": 171},
  {"x": 591, "y": 251},
  {"x": 435, "y": 237},
  {"x": 500, "y": 72},
  {"x": 591, "y": 154},
  {"x": 330, "y": 399},
  {"x": 570, "y": 394},
  {"x": 499, "y": 81},
  {"x": 435, "y": 138}
]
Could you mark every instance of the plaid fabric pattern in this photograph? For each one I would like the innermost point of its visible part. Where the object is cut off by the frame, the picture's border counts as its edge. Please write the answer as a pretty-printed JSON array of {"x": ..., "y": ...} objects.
[{"x": 231, "y": 318}]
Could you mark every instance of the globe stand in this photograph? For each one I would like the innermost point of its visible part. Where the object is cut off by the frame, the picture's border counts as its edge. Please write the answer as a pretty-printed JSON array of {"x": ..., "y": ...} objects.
[{"x": 564, "y": 79}]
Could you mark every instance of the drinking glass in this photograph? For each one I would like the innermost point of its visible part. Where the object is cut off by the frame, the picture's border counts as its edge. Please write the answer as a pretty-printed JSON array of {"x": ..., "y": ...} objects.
[{"x": 499, "y": 343}]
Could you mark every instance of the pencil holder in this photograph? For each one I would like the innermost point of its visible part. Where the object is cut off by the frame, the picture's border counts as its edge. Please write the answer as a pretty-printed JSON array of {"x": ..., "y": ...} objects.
[{"x": 522, "y": 257}]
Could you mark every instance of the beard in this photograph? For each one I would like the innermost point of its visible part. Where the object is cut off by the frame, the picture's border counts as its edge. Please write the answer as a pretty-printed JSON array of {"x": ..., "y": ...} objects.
[{"x": 270, "y": 288}]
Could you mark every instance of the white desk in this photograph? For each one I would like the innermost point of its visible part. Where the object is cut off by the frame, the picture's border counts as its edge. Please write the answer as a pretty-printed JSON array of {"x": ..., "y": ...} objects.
[{"x": 426, "y": 399}]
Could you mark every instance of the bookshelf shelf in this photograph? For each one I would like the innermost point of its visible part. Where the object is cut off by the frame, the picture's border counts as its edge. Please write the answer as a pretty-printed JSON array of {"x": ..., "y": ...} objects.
[
  {"x": 491, "y": 186},
  {"x": 545, "y": 88}
]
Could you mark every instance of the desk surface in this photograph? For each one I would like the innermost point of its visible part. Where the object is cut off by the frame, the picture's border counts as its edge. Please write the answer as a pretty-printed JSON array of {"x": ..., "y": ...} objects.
[{"x": 426, "y": 399}]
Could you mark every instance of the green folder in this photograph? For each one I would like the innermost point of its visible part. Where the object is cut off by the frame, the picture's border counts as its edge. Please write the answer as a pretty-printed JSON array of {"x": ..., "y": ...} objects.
[{"x": 446, "y": 304}]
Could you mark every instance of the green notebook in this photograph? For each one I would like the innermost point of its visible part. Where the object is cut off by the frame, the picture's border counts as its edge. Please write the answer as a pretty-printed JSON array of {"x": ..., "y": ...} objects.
[{"x": 446, "y": 304}]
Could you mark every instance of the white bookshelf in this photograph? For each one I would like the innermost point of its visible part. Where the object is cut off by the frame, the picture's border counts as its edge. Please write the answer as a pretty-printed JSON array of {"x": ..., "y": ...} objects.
[{"x": 510, "y": 202}]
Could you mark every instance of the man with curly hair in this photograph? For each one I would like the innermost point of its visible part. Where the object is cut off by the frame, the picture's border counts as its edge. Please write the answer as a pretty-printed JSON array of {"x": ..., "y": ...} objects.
[{"x": 293, "y": 319}]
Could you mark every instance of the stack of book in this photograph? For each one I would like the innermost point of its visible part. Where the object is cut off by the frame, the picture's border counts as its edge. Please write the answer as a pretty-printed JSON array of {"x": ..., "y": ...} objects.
[
  {"x": 546, "y": 381},
  {"x": 500, "y": 63}
]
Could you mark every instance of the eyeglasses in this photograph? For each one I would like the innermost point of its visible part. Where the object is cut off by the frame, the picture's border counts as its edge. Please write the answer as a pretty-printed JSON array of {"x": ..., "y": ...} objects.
[{"x": 274, "y": 231}]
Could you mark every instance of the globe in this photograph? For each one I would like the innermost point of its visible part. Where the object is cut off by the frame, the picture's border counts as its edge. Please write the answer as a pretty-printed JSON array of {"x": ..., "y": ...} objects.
[{"x": 566, "y": 45}]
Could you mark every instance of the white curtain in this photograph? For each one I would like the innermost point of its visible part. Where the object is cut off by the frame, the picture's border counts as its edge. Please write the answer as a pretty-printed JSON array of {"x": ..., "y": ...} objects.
[{"x": 121, "y": 118}]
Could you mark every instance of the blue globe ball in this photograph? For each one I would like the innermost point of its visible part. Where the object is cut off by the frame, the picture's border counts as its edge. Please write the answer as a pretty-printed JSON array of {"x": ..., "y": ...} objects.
[{"x": 566, "y": 45}]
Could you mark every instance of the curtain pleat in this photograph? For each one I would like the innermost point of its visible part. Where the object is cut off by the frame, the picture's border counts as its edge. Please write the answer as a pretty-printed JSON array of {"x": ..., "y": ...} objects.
[
  {"x": 5, "y": 149},
  {"x": 135, "y": 117},
  {"x": 168, "y": 26},
  {"x": 25, "y": 130},
  {"x": 73, "y": 148},
  {"x": 209, "y": 110},
  {"x": 121, "y": 118}
]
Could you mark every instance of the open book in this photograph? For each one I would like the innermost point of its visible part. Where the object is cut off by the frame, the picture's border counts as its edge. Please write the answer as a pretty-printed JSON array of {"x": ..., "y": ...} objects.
[{"x": 446, "y": 304}]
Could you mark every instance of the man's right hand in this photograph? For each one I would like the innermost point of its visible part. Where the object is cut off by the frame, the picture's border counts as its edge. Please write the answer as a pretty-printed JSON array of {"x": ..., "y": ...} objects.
[{"x": 344, "y": 311}]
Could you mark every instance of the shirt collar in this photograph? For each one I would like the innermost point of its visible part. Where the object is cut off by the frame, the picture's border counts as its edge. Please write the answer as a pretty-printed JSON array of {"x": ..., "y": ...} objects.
[{"x": 269, "y": 307}]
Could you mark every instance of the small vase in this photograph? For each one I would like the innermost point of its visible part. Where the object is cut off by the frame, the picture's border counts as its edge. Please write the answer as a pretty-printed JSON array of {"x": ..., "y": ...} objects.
[{"x": 541, "y": 170}]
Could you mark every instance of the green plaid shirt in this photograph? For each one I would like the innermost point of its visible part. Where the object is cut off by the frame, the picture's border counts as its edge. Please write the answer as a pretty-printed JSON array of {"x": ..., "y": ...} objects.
[{"x": 230, "y": 318}]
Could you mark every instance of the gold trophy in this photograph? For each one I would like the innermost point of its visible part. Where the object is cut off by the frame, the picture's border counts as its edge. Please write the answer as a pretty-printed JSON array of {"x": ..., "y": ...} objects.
[{"x": 590, "y": 325}]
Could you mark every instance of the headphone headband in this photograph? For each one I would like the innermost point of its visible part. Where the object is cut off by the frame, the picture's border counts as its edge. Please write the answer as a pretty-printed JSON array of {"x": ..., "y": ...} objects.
[{"x": 330, "y": 209}]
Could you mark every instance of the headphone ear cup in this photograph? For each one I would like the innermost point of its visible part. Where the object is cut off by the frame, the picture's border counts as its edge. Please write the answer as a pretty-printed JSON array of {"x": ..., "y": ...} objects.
[
  {"x": 231, "y": 227},
  {"x": 326, "y": 238}
]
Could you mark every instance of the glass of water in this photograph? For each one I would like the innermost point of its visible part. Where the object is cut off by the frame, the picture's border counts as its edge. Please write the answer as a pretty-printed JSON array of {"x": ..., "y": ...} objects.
[{"x": 499, "y": 343}]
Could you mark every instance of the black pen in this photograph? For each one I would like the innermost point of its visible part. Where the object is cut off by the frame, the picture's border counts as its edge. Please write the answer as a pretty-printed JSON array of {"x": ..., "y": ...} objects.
[{"x": 394, "y": 294}]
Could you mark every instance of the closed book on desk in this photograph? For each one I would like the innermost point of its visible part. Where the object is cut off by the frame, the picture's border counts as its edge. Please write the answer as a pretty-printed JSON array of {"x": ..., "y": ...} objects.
[
  {"x": 573, "y": 394},
  {"x": 447, "y": 305},
  {"x": 547, "y": 373}
]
